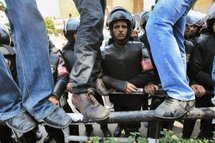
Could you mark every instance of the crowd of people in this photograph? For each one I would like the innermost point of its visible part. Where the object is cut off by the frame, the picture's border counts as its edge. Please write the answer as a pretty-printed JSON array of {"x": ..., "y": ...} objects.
[{"x": 163, "y": 54}]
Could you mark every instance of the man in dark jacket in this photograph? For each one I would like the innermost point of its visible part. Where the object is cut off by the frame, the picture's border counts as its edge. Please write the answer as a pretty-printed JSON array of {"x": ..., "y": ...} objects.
[
  {"x": 194, "y": 23},
  {"x": 126, "y": 66},
  {"x": 202, "y": 64}
]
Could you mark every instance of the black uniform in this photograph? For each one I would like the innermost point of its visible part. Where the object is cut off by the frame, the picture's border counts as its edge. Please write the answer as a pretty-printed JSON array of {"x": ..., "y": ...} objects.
[
  {"x": 201, "y": 68},
  {"x": 122, "y": 65}
]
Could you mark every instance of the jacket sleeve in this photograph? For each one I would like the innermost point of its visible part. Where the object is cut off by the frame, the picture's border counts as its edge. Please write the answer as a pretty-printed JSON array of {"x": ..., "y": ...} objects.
[
  {"x": 143, "y": 78},
  {"x": 199, "y": 75},
  {"x": 62, "y": 78},
  {"x": 60, "y": 86},
  {"x": 114, "y": 83}
]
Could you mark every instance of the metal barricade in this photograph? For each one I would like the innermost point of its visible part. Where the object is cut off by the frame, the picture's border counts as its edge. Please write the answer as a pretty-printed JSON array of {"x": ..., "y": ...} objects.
[{"x": 139, "y": 116}]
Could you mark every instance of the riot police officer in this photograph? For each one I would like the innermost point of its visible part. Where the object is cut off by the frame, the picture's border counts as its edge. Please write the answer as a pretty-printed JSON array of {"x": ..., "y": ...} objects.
[
  {"x": 201, "y": 66},
  {"x": 124, "y": 66}
]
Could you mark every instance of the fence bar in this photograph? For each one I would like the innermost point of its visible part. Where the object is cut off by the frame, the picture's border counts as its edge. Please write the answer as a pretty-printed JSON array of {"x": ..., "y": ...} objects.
[
  {"x": 139, "y": 116},
  {"x": 147, "y": 115}
]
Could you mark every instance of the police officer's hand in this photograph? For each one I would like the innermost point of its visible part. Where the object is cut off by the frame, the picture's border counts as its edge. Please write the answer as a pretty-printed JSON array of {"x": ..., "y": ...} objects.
[
  {"x": 198, "y": 89},
  {"x": 54, "y": 100},
  {"x": 150, "y": 89},
  {"x": 130, "y": 88}
]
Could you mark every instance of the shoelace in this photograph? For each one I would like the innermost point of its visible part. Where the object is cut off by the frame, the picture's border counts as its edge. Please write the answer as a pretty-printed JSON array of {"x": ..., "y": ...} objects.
[{"x": 91, "y": 98}]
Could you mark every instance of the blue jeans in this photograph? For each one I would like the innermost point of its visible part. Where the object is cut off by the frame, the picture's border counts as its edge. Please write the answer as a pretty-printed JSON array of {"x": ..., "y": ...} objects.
[
  {"x": 87, "y": 46},
  {"x": 165, "y": 32},
  {"x": 33, "y": 65}
]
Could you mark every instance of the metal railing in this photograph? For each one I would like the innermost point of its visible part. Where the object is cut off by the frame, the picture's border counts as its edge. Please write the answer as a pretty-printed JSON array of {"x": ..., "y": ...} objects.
[{"x": 138, "y": 116}]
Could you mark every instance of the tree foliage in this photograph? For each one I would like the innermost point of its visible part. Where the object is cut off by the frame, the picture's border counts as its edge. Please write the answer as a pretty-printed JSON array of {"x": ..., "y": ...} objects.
[{"x": 50, "y": 26}]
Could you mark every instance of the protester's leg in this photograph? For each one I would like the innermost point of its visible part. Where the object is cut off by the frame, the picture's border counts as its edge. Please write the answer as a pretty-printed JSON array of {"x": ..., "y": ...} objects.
[
  {"x": 178, "y": 31},
  {"x": 89, "y": 40},
  {"x": 11, "y": 108},
  {"x": 166, "y": 52},
  {"x": 33, "y": 65},
  {"x": 9, "y": 93}
]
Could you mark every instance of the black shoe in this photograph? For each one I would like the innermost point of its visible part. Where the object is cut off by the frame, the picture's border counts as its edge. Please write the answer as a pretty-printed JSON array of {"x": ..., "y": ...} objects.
[
  {"x": 89, "y": 130},
  {"x": 58, "y": 119},
  {"x": 172, "y": 108},
  {"x": 106, "y": 132},
  {"x": 89, "y": 106},
  {"x": 118, "y": 131},
  {"x": 21, "y": 123}
]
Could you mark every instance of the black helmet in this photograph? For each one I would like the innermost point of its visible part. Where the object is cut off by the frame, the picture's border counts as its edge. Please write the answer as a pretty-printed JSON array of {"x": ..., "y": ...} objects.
[
  {"x": 119, "y": 13},
  {"x": 144, "y": 16},
  {"x": 70, "y": 28},
  {"x": 5, "y": 37}
]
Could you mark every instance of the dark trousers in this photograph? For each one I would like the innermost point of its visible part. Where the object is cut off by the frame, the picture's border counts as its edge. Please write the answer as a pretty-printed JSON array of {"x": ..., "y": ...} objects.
[
  {"x": 129, "y": 127},
  {"x": 205, "y": 124},
  {"x": 90, "y": 31},
  {"x": 57, "y": 134},
  {"x": 5, "y": 134},
  {"x": 156, "y": 101}
]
